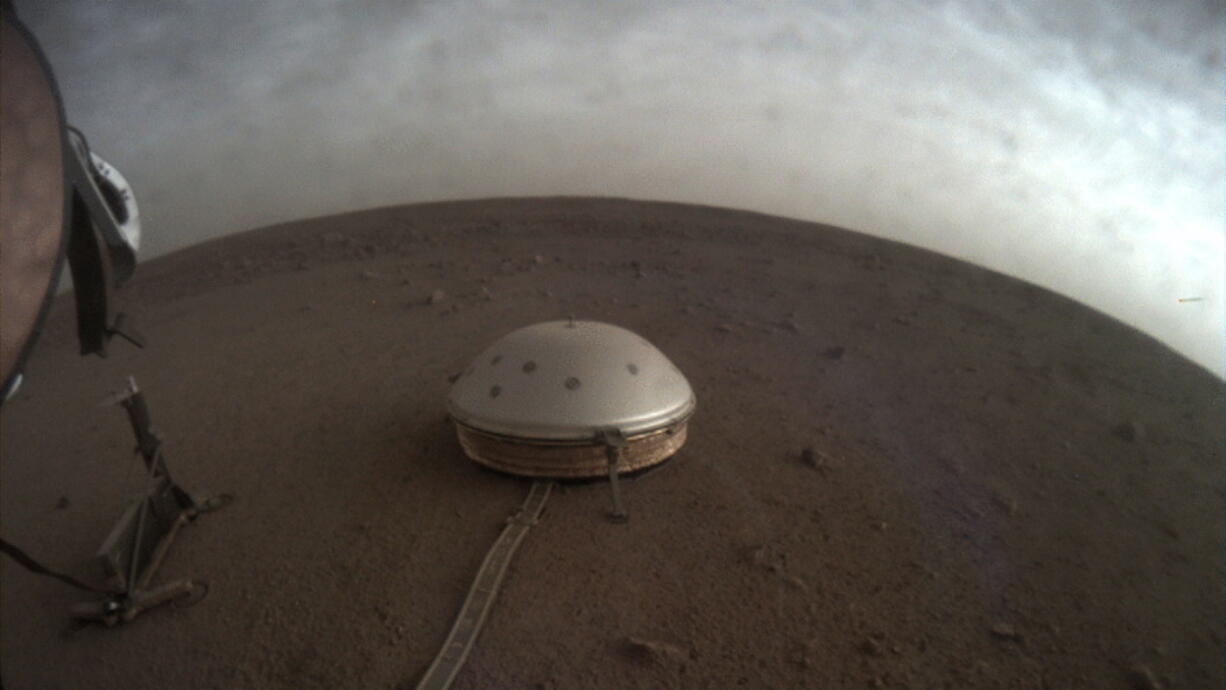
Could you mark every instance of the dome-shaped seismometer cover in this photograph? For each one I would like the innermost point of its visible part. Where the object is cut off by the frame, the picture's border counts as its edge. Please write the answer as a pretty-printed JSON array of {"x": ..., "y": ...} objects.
[{"x": 544, "y": 394}]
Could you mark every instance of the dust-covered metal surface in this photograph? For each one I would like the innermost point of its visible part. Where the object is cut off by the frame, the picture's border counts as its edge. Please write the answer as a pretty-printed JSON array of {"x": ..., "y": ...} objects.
[
  {"x": 32, "y": 193},
  {"x": 538, "y": 401},
  {"x": 567, "y": 380}
]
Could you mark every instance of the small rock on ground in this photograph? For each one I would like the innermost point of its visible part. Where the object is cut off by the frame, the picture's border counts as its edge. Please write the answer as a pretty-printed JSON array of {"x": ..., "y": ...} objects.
[
  {"x": 1005, "y": 504},
  {"x": 870, "y": 647},
  {"x": 1004, "y": 631},
  {"x": 1140, "y": 677},
  {"x": 654, "y": 650},
  {"x": 814, "y": 459},
  {"x": 1129, "y": 431}
]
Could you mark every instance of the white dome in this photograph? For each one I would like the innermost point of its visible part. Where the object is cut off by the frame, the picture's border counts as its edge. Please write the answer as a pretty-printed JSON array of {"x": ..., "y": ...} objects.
[{"x": 568, "y": 380}]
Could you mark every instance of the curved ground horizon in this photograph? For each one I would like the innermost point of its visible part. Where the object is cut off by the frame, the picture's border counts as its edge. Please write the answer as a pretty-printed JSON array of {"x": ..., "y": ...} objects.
[{"x": 1002, "y": 488}]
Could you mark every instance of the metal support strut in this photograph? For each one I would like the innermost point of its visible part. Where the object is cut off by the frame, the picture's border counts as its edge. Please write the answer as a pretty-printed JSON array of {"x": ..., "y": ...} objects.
[
  {"x": 136, "y": 547},
  {"x": 614, "y": 441}
]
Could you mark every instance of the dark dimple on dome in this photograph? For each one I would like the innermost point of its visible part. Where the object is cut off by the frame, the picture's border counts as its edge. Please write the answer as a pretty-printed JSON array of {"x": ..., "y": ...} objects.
[
  {"x": 495, "y": 391},
  {"x": 632, "y": 368},
  {"x": 529, "y": 367},
  {"x": 572, "y": 383}
]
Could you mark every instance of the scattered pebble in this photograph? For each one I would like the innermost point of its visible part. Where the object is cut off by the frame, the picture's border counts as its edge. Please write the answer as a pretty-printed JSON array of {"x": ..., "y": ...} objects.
[
  {"x": 1006, "y": 504},
  {"x": 1129, "y": 431},
  {"x": 724, "y": 328},
  {"x": 835, "y": 352},
  {"x": 881, "y": 525},
  {"x": 382, "y": 614},
  {"x": 790, "y": 325},
  {"x": 1140, "y": 677},
  {"x": 437, "y": 296},
  {"x": 870, "y": 647},
  {"x": 769, "y": 557},
  {"x": 814, "y": 459},
  {"x": 1004, "y": 631},
  {"x": 538, "y": 260},
  {"x": 654, "y": 650},
  {"x": 62, "y": 503},
  {"x": 800, "y": 657},
  {"x": 370, "y": 275}
]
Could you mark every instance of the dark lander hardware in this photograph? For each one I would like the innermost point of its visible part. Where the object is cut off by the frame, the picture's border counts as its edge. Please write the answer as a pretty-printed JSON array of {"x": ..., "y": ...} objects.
[{"x": 61, "y": 201}]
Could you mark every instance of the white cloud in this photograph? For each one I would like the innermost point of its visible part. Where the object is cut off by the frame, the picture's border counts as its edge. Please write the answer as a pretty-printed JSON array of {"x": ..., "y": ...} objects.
[{"x": 1079, "y": 150}]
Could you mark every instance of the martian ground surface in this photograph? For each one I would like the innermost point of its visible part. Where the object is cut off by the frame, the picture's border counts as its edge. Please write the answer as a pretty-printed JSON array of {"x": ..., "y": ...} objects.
[{"x": 905, "y": 471}]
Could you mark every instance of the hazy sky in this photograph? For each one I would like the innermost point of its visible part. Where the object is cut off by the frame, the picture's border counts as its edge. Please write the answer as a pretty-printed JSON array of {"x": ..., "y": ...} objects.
[{"x": 1078, "y": 145}]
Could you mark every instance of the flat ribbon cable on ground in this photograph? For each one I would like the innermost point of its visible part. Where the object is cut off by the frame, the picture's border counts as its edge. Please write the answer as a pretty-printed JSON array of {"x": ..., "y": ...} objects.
[{"x": 483, "y": 592}]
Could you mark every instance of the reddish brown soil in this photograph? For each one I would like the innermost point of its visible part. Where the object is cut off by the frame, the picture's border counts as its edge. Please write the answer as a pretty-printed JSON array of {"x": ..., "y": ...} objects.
[{"x": 1016, "y": 492}]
